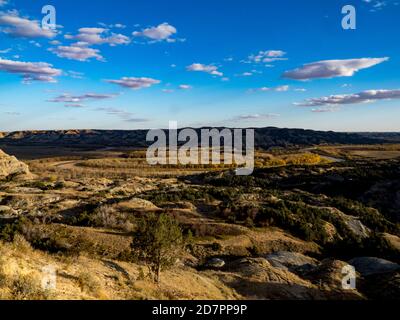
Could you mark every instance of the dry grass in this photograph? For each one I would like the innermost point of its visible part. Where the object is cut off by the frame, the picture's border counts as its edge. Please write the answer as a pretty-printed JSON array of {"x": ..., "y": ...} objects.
[
  {"x": 17, "y": 280},
  {"x": 376, "y": 152},
  {"x": 93, "y": 278}
]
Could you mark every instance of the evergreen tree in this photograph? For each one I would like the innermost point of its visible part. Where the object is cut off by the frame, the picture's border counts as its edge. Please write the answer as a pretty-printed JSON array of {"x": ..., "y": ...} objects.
[{"x": 157, "y": 241}]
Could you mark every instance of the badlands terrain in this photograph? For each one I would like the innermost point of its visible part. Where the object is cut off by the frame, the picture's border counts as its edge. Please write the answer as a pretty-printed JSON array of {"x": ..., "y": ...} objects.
[{"x": 286, "y": 232}]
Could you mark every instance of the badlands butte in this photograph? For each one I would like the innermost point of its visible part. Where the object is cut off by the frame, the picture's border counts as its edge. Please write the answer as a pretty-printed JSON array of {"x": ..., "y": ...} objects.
[{"x": 317, "y": 201}]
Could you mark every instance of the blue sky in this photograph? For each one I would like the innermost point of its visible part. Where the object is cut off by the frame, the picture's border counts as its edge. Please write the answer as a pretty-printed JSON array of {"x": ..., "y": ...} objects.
[{"x": 139, "y": 64}]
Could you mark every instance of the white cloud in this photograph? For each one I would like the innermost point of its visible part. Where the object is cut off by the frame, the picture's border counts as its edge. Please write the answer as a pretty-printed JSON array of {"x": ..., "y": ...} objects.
[
  {"x": 74, "y": 105},
  {"x": 86, "y": 37},
  {"x": 378, "y": 4},
  {"x": 12, "y": 113},
  {"x": 344, "y": 99},
  {"x": 55, "y": 42},
  {"x": 31, "y": 71},
  {"x": 198, "y": 67},
  {"x": 35, "y": 43},
  {"x": 267, "y": 56},
  {"x": 283, "y": 88},
  {"x": 23, "y": 27},
  {"x": 97, "y": 36},
  {"x": 3, "y": 3},
  {"x": 255, "y": 117},
  {"x": 71, "y": 99},
  {"x": 75, "y": 74},
  {"x": 162, "y": 32},
  {"x": 332, "y": 68},
  {"x": 5, "y": 50},
  {"x": 135, "y": 83},
  {"x": 75, "y": 52},
  {"x": 117, "y": 25},
  {"x": 185, "y": 87},
  {"x": 325, "y": 110},
  {"x": 122, "y": 114}
]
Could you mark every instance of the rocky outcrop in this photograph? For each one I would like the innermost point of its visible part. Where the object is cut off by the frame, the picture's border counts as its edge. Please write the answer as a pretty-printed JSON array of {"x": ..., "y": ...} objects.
[
  {"x": 137, "y": 204},
  {"x": 256, "y": 278},
  {"x": 7, "y": 212},
  {"x": 10, "y": 166},
  {"x": 328, "y": 276},
  {"x": 393, "y": 240},
  {"x": 381, "y": 278},
  {"x": 382, "y": 286},
  {"x": 370, "y": 265},
  {"x": 353, "y": 223},
  {"x": 215, "y": 263},
  {"x": 291, "y": 261}
]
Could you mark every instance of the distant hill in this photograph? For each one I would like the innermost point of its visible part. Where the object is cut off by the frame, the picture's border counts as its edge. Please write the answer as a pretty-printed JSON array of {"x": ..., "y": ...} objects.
[{"x": 264, "y": 138}]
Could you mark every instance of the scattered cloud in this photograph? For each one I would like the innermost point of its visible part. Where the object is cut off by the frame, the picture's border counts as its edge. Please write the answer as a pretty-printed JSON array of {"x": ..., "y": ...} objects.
[
  {"x": 12, "y": 113},
  {"x": 74, "y": 100},
  {"x": 5, "y": 50},
  {"x": 254, "y": 117},
  {"x": 246, "y": 74},
  {"x": 75, "y": 74},
  {"x": 332, "y": 68},
  {"x": 74, "y": 105},
  {"x": 3, "y": 3},
  {"x": 267, "y": 56},
  {"x": 31, "y": 71},
  {"x": 325, "y": 110},
  {"x": 78, "y": 53},
  {"x": 17, "y": 26},
  {"x": 162, "y": 32},
  {"x": 135, "y": 83},
  {"x": 283, "y": 88},
  {"x": 376, "y": 5},
  {"x": 185, "y": 87},
  {"x": 35, "y": 43},
  {"x": 55, "y": 42},
  {"x": 344, "y": 99},
  {"x": 98, "y": 36},
  {"x": 118, "y": 25},
  {"x": 111, "y": 26},
  {"x": 122, "y": 114},
  {"x": 211, "y": 69}
]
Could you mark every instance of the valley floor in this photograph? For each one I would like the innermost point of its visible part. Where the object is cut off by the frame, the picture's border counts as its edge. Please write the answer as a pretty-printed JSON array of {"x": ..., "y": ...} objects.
[{"x": 286, "y": 232}]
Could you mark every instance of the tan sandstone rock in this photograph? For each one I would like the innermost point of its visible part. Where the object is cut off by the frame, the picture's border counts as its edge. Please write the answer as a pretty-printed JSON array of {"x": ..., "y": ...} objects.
[{"x": 9, "y": 166}]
